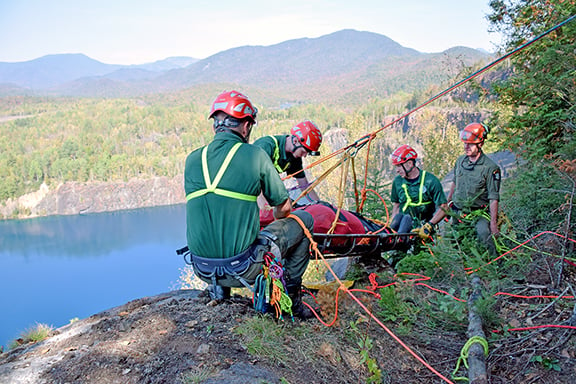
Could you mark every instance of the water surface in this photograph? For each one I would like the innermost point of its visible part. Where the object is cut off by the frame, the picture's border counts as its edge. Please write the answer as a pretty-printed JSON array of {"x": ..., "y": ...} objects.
[{"x": 57, "y": 268}]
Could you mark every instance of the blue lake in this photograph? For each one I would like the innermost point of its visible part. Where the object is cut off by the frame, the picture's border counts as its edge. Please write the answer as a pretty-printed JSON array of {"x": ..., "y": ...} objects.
[{"x": 57, "y": 268}]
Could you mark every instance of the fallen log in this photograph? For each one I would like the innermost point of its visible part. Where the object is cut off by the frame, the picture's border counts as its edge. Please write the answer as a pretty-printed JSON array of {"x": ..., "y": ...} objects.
[{"x": 477, "y": 350}]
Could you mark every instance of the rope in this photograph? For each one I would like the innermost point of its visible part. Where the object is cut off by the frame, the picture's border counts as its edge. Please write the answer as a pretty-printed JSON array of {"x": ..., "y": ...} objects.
[
  {"x": 269, "y": 289},
  {"x": 280, "y": 300},
  {"x": 259, "y": 298},
  {"x": 343, "y": 178},
  {"x": 314, "y": 247},
  {"x": 520, "y": 245},
  {"x": 464, "y": 354},
  {"x": 367, "y": 139},
  {"x": 319, "y": 179},
  {"x": 539, "y": 327}
]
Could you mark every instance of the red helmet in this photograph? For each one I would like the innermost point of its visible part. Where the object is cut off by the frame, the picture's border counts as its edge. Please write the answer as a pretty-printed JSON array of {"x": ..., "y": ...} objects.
[
  {"x": 309, "y": 136},
  {"x": 474, "y": 133},
  {"x": 403, "y": 154},
  {"x": 234, "y": 104}
]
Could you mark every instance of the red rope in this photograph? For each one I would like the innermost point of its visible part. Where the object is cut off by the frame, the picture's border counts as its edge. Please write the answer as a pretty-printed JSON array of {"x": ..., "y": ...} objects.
[{"x": 537, "y": 327}]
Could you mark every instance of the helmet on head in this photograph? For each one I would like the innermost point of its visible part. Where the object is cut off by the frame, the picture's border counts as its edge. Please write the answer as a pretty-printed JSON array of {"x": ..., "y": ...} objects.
[
  {"x": 234, "y": 104},
  {"x": 474, "y": 133},
  {"x": 309, "y": 136},
  {"x": 403, "y": 154}
]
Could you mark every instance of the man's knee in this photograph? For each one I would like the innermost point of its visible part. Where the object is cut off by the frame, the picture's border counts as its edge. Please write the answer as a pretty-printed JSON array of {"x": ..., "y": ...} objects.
[
  {"x": 306, "y": 218},
  {"x": 483, "y": 230},
  {"x": 485, "y": 235}
]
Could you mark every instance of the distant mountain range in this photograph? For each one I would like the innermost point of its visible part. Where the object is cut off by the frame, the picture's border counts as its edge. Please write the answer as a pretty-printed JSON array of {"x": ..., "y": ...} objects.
[{"x": 334, "y": 67}]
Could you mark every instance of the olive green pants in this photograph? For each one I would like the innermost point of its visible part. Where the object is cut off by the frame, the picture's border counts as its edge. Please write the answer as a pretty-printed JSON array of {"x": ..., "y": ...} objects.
[{"x": 294, "y": 245}]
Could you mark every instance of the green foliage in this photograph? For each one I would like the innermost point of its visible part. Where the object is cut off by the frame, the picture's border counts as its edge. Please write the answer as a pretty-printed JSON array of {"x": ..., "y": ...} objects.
[
  {"x": 547, "y": 362},
  {"x": 445, "y": 312},
  {"x": 420, "y": 262},
  {"x": 534, "y": 209},
  {"x": 263, "y": 337},
  {"x": 32, "y": 335},
  {"x": 60, "y": 140},
  {"x": 197, "y": 375},
  {"x": 440, "y": 141},
  {"x": 537, "y": 102},
  {"x": 485, "y": 307},
  {"x": 365, "y": 343},
  {"x": 355, "y": 272},
  {"x": 393, "y": 307}
]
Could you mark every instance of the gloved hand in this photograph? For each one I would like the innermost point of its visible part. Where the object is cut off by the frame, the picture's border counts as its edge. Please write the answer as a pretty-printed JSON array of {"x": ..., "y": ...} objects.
[{"x": 424, "y": 231}]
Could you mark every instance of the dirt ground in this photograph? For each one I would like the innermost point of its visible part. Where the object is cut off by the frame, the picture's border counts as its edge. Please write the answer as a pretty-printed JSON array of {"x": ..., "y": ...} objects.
[{"x": 181, "y": 337}]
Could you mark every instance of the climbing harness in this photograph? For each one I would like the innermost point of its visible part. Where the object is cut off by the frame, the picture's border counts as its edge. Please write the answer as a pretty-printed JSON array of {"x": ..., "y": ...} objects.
[
  {"x": 276, "y": 155},
  {"x": 212, "y": 186},
  {"x": 409, "y": 202}
]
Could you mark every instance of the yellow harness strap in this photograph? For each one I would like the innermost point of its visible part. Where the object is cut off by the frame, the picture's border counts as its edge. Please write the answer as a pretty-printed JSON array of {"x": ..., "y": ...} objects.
[
  {"x": 212, "y": 186},
  {"x": 409, "y": 202},
  {"x": 276, "y": 156}
]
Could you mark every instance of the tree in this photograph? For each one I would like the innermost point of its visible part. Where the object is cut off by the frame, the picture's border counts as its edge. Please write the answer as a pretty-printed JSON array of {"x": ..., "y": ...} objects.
[
  {"x": 539, "y": 115},
  {"x": 537, "y": 109}
]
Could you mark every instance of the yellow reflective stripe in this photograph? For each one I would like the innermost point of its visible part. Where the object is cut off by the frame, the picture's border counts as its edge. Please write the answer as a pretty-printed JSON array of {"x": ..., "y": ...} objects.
[
  {"x": 276, "y": 155},
  {"x": 235, "y": 195},
  {"x": 211, "y": 186},
  {"x": 409, "y": 202},
  {"x": 222, "y": 192}
]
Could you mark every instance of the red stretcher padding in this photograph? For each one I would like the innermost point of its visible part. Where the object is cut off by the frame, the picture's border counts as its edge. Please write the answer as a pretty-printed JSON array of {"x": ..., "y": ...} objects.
[
  {"x": 324, "y": 214},
  {"x": 349, "y": 224}
]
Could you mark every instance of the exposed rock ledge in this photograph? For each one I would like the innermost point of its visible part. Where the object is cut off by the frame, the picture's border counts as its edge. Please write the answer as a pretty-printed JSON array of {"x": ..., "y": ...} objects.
[
  {"x": 73, "y": 198},
  {"x": 157, "y": 339}
]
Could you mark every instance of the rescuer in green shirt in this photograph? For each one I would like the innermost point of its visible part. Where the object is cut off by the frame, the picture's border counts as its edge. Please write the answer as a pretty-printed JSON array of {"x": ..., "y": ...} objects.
[
  {"x": 417, "y": 196},
  {"x": 222, "y": 182},
  {"x": 476, "y": 185},
  {"x": 287, "y": 151}
]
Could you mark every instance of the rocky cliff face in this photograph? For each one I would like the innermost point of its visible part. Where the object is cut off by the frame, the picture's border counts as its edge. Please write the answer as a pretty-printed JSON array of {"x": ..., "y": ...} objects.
[{"x": 73, "y": 198}]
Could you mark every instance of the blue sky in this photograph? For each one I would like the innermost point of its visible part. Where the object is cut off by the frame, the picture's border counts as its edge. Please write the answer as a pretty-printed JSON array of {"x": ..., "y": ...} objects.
[{"x": 141, "y": 31}]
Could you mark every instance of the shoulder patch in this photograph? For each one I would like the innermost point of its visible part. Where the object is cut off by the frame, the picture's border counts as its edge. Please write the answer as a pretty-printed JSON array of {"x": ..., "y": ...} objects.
[{"x": 496, "y": 175}]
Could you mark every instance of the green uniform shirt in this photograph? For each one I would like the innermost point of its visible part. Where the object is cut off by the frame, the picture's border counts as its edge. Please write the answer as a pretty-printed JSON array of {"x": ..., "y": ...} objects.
[
  {"x": 432, "y": 195},
  {"x": 475, "y": 183},
  {"x": 286, "y": 162},
  {"x": 220, "y": 226}
]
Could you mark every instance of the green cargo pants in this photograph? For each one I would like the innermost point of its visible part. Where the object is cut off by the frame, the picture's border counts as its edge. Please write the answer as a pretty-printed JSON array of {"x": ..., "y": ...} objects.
[{"x": 294, "y": 245}]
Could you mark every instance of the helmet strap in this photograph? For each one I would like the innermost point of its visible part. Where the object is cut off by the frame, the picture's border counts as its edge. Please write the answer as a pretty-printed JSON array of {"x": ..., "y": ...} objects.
[
  {"x": 410, "y": 170},
  {"x": 296, "y": 144}
]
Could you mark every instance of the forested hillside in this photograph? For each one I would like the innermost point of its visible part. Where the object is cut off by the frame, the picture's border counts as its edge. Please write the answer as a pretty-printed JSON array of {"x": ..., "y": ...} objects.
[
  {"x": 339, "y": 67},
  {"x": 446, "y": 297},
  {"x": 58, "y": 140}
]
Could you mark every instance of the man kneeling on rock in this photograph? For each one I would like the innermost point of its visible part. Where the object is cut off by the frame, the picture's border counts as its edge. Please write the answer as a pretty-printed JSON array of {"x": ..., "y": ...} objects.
[{"x": 222, "y": 183}]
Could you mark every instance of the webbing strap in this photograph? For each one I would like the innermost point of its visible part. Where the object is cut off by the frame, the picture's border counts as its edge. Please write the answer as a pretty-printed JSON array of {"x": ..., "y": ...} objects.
[
  {"x": 212, "y": 186},
  {"x": 464, "y": 355},
  {"x": 409, "y": 202},
  {"x": 276, "y": 156}
]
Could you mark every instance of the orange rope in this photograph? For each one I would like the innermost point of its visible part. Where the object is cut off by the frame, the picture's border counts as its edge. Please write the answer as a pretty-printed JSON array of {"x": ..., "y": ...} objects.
[
  {"x": 531, "y": 297},
  {"x": 470, "y": 271},
  {"x": 314, "y": 246},
  {"x": 372, "y": 136}
]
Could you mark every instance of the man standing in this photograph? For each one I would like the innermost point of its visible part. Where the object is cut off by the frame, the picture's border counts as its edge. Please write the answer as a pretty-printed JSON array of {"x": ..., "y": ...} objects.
[
  {"x": 417, "y": 196},
  {"x": 476, "y": 185},
  {"x": 222, "y": 182},
  {"x": 287, "y": 151}
]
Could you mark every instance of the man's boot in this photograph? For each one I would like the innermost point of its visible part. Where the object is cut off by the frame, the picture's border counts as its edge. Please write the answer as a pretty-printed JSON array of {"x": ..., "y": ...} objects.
[
  {"x": 299, "y": 310},
  {"x": 218, "y": 292}
]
